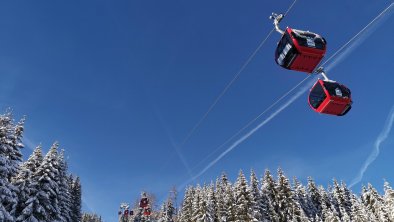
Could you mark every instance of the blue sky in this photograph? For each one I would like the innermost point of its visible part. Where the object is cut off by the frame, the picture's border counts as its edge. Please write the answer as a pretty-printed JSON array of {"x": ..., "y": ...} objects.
[{"x": 121, "y": 83}]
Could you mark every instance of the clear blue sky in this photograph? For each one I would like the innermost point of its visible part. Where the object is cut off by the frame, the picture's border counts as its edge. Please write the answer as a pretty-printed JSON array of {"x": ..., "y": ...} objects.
[{"x": 119, "y": 83}]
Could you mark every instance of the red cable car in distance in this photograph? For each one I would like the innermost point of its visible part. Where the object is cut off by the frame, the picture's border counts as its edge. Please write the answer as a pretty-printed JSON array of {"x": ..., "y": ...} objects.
[
  {"x": 330, "y": 97},
  {"x": 298, "y": 50},
  {"x": 144, "y": 202}
]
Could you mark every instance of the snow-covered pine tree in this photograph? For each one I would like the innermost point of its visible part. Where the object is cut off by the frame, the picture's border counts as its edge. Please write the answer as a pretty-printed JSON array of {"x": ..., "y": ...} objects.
[
  {"x": 197, "y": 210},
  {"x": 336, "y": 198},
  {"x": 64, "y": 190},
  {"x": 359, "y": 212},
  {"x": 325, "y": 196},
  {"x": 347, "y": 196},
  {"x": 10, "y": 158},
  {"x": 221, "y": 186},
  {"x": 167, "y": 211},
  {"x": 76, "y": 199},
  {"x": 389, "y": 200},
  {"x": 24, "y": 182},
  {"x": 256, "y": 207},
  {"x": 303, "y": 200},
  {"x": 269, "y": 194},
  {"x": 229, "y": 203},
  {"x": 324, "y": 212},
  {"x": 315, "y": 199},
  {"x": 44, "y": 203},
  {"x": 342, "y": 200},
  {"x": 219, "y": 199},
  {"x": 212, "y": 202},
  {"x": 242, "y": 199},
  {"x": 205, "y": 206},
  {"x": 170, "y": 211},
  {"x": 345, "y": 215},
  {"x": 288, "y": 208},
  {"x": 332, "y": 215},
  {"x": 265, "y": 205},
  {"x": 187, "y": 206},
  {"x": 375, "y": 203},
  {"x": 162, "y": 213},
  {"x": 326, "y": 203}
]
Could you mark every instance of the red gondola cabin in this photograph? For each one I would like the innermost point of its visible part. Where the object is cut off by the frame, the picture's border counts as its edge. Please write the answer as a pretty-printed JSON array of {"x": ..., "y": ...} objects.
[
  {"x": 300, "y": 50},
  {"x": 330, "y": 97},
  {"x": 144, "y": 202}
]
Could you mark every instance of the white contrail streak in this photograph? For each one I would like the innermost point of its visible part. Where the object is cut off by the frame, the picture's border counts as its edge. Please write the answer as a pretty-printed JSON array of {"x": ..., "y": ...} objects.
[
  {"x": 173, "y": 144},
  {"x": 246, "y": 136},
  {"x": 181, "y": 156},
  {"x": 376, "y": 149}
]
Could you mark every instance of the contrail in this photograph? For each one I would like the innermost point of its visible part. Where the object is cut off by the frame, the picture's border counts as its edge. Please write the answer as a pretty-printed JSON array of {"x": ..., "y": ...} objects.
[
  {"x": 376, "y": 150},
  {"x": 171, "y": 139},
  {"x": 354, "y": 43},
  {"x": 246, "y": 136},
  {"x": 180, "y": 155}
]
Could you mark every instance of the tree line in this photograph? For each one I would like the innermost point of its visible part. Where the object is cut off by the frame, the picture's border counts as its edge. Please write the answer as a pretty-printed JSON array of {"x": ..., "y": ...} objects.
[
  {"x": 39, "y": 189},
  {"x": 270, "y": 199}
]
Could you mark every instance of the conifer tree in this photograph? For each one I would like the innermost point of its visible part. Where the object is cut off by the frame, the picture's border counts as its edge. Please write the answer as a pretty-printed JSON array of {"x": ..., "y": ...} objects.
[
  {"x": 10, "y": 158},
  {"x": 212, "y": 202},
  {"x": 229, "y": 203},
  {"x": 346, "y": 202},
  {"x": 269, "y": 193},
  {"x": 332, "y": 214},
  {"x": 266, "y": 207},
  {"x": 25, "y": 183},
  {"x": 76, "y": 200},
  {"x": 256, "y": 207},
  {"x": 315, "y": 197},
  {"x": 325, "y": 196},
  {"x": 197, "y": 210},
  {"x": 389, "y": 200},
  {"x": 219, "y": 199},
  {"x": 221, "y": 187},
  {"x": 359, "y": 212},
  {"x": 374, "y": 202},
  {"x": 242, "y": 199},
  {"x": 44, "y": 202},
  {"x": 14, "y": 143},
  {"x": 64, "y": 190},
  {"x": 203, "y": 209},
  {"x": 206, "y": 206},
  {"x": 302, "y": 199},
  {"x": 167, "y": 211},
  {"x": 324, "y": 212},
  {"x": 288, "y": 209},
  {"x": 170, "y": 211},
  {"x": 162, "y": 213},
  {"x": 337, "y": 198},
  {"x": 187, "y": 206}
]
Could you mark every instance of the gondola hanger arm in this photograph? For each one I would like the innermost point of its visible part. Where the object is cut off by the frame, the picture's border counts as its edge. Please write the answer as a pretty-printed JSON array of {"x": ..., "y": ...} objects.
[
  {"x": 277, "y": 18},
  {"x": 321, "y": 71}
]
